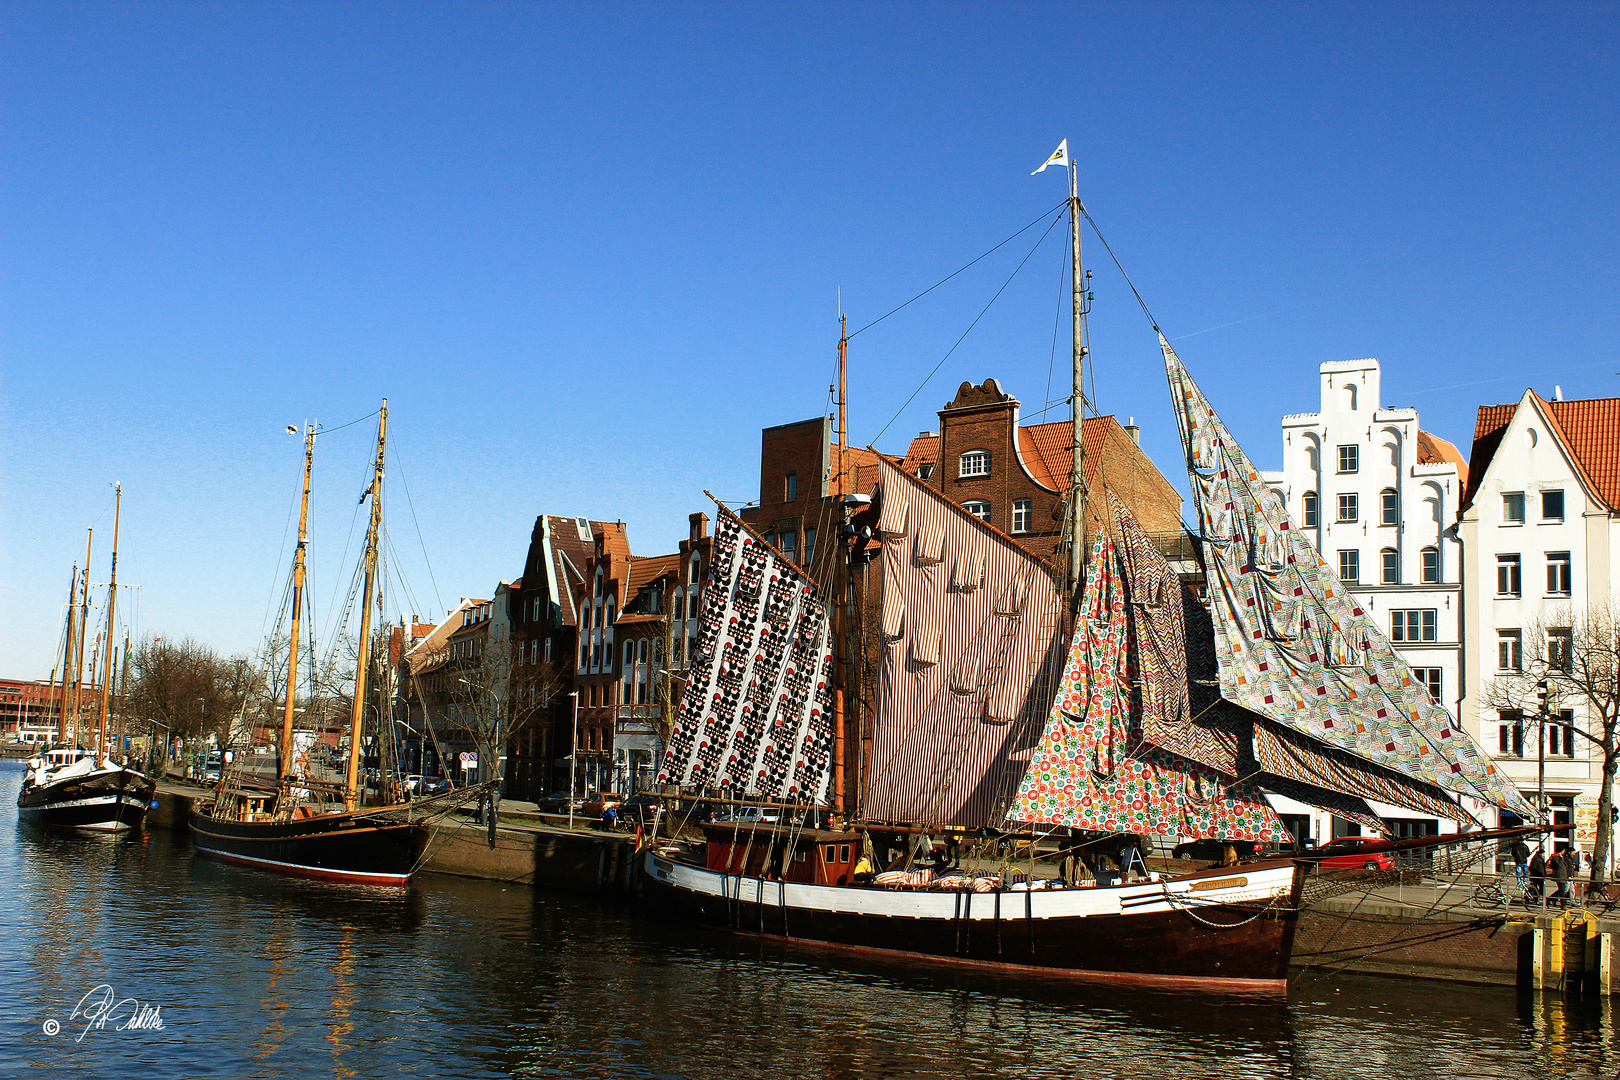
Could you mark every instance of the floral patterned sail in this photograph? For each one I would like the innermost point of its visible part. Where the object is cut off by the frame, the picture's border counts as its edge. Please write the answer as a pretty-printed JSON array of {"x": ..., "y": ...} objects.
[
  {"x": 1091, "y": 771},
  {"x": 756, "y": 717},
  {"x": 1293, "y": 644}
]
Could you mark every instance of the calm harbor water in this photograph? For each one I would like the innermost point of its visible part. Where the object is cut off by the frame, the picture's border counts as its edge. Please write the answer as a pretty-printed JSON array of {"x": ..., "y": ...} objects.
[{"x": 257, "y": 976}]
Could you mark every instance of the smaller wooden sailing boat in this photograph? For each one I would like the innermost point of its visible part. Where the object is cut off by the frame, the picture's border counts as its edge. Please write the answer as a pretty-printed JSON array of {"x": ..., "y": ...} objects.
[
  {"x": 286, "y": 827},
  {"x": 85, "y": 788}
]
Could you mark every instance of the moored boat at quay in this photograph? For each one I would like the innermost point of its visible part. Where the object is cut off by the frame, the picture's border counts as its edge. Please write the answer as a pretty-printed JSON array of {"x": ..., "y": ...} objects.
[{"x": 1019, "y": 699}]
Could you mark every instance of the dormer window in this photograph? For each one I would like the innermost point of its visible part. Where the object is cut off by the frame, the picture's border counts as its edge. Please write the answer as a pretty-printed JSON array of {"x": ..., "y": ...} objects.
[
  {"x": 975, "y": 463},
  {"x": 925, "y": 471}
]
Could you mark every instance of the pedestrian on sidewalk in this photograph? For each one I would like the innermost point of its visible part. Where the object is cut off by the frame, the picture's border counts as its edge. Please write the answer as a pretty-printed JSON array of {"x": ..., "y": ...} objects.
[
  {"x": 1538, "y": 879},
  {"x": 1560, "y": 868},
  {"x": 1521, "y": 862}
]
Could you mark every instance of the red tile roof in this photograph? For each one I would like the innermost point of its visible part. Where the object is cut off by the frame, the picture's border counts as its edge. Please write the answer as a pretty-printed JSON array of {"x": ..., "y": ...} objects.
[
  {"x": 643, "y": 571},
  {"x": 1590, "y": 430},
  {"x": 1045, "y": 448},
  {"x": 1433, "y": 450}
]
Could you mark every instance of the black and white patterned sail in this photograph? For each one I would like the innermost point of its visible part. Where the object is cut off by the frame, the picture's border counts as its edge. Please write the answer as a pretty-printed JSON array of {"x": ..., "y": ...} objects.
[{"x": 756, "y": 718}]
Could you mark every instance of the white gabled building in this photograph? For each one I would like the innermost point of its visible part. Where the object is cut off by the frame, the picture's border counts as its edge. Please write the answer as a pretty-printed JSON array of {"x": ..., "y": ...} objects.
[
  {"x": 1540, "y": 528},
  {"x": 1378, "y": 496}
]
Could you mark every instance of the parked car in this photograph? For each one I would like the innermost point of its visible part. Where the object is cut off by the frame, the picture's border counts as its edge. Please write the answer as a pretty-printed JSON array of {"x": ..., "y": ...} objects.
[
  {"x": 434, "y": 785},
  {"x": 599, "y": 802},
  {"x": 1213, "y": 850},
  {"x": 640, "y": 809},
  {"x": 753, "y": 815},
  {"x": 213, "y": 765},
  {"x": 557, "y": 802},
  {"x": 1345, "y": 854}
]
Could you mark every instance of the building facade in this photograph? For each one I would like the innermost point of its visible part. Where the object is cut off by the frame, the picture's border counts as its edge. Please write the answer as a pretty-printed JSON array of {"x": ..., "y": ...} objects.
[
  {"x": 1540, "y": 530},
  {"x": 1378, "y": 497}
]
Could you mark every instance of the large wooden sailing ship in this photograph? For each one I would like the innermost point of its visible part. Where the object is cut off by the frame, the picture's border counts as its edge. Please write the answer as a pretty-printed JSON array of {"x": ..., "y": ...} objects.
[
  {"x": 83, "y": 787},
  {"x": 290, "y": 826},
  {"x": 1040, "y": 705}
]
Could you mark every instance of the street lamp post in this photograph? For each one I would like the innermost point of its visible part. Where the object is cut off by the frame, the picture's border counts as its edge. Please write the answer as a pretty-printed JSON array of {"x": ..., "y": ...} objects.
[{"x": 573, "y": 758}]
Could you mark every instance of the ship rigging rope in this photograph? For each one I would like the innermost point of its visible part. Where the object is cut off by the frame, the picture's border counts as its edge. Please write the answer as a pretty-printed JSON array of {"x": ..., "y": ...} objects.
[
  {"x": 948, "y": 277},
  {"x": 976, "y": 319}
]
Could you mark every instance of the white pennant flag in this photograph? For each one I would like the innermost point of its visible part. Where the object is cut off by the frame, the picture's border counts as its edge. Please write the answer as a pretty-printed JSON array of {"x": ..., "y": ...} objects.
[{"x": 1060, "y": 156}]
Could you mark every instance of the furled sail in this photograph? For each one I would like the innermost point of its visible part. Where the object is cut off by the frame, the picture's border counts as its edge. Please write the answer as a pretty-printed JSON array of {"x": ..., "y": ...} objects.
[
  {"x": 1293, "y": 646},
  {"x": 1092, "y": 770},
  {"x": 970, "y": 622},
  {"x": 756, "y": 717}
]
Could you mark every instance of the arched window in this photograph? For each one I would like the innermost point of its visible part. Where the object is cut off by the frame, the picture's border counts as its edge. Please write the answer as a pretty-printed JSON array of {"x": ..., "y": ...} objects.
[
  {"x": 629, "y": 653},
  {"x": 679, "y": 606},
  {"x": 975, "y": 463},
  {"x": 1389, "y": 507},
  {"x": 598, "y": 592},
  {"x": 1310, "y": 509},
  {"x": 694, "y": 576},
  {"x": 979, "y": 508},
  {"x": 1391, "y": 566},
  {"x": 1431, "y": 566}
]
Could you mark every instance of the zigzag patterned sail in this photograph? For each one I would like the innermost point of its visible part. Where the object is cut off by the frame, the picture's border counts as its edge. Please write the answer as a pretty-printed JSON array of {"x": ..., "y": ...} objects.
[
  {"x": 756, "y": 717},
  {"x": 1092, "y": 771},
  {"x": 1293, "y": 645},
  {"x": 970, "y": 625}
]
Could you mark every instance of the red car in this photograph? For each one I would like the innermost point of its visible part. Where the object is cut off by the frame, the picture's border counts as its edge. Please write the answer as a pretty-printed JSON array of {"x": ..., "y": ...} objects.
[{"x": 1346, "y": 853}]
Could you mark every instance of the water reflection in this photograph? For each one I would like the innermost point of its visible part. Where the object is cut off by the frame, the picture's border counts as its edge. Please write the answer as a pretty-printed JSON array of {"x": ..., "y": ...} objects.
[{"x": 268, "y": 977}]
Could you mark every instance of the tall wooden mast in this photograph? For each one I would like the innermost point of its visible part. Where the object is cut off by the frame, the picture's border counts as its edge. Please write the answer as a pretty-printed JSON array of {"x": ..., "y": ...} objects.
[
  {"x": 1077, "y": 466},
  {"x": 84, "y": 632},
  {"x": 63, "y": 694},
  {"x": 112, "y": 604},
  {"x": 351, "y": 792},
  {"x": 840, "y": 570},
  {"x": 284, "y": 758}
]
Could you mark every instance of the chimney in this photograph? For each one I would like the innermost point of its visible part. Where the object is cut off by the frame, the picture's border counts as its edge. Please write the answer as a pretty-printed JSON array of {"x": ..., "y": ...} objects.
[
  {"x": 1134, "y": 432},
  {"x": 1558, "y": 393},
  {"x": 927, "y": 434},
  {"x": 697, "y": 526}
]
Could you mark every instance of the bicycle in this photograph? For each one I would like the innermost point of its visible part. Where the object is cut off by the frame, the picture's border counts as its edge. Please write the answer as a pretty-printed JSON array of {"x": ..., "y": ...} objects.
[{"x": 1490, "y": 894}]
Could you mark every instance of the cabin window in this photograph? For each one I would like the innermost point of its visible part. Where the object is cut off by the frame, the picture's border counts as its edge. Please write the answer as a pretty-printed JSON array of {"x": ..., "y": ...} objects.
[
  {"x": 843, "y": 853},
  {"x": 831, "y": 853}
]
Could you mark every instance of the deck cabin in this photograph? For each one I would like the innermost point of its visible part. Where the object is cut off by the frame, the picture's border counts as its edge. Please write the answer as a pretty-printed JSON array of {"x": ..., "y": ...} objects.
[{"x": 817, "y": 856}]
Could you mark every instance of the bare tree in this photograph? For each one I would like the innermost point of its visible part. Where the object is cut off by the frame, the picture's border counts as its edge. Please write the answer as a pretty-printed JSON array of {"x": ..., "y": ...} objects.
[
  {"x": 484, "y": 696},
  {"x": 187, "y": 687},
  {"x": 1571, "y": 659}
]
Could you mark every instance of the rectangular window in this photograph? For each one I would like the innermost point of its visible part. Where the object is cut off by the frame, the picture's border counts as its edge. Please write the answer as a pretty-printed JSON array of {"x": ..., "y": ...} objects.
[
  {"x": 1513, "y": 508},
  {"x": 809, "y": 545},
  {"x": 1310, "y": 508},
  {"x": 1509, "y": 650},
  {"x": 1391, "y": 568},
  {"x": 1561, "y": 734},
  {"x": 1413, "y": 624},
  {"x": 1430, "y": 678},
  {"x": 1389, "y": 508},
  {"x": 1552, "y": 505},
  {"x": 1510, "y": 733},
  {"x": 1350, "y": 566},
  {"x": 1431, "y": 566},
  {"x": 789, "y": 546},
  {"x": 1560, "y": 648},
  {"x": 1349, "y": 507},
  {"x": 1349, "y": 459},
  {"x": 1507, "y": 575},
  {"x": 1557, "y": 573},
  {"x": 1021, "y": 515},
  {"x": 792, "y": 488}
]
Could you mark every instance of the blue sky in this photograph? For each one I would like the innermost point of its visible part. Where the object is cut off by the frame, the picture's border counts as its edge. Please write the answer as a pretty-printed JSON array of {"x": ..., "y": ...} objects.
[{"x": 587, "y": 252}]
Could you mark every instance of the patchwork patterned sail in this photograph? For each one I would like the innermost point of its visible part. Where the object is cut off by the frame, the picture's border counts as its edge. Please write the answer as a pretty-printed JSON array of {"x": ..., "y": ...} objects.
[
  {"x": 1292, "y": 644},
  {"x": 1091, "y": 771},
  {"x": 756, "y": 717},
  {"x": 970, "y": 625}
]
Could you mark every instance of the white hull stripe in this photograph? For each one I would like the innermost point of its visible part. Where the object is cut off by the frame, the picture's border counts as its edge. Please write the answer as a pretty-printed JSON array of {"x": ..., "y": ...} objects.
[
  {"x": 1250, "y": 887},
  {"x": 301, "y": 868}
]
